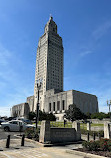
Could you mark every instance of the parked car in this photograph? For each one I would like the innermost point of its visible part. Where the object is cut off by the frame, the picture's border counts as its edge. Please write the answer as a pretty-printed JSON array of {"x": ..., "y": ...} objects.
[
  {"x": 15, "y": 125},
  {"x": 25, "y": 120},
  {"x": 1, "y": 121}
]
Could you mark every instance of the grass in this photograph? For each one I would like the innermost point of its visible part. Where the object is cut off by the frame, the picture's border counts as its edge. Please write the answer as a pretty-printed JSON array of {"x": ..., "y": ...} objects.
[
  {"x": 100, "y": 125},
  {"x": 60, "y": 124},
  {"x": 69, "y": 124}
]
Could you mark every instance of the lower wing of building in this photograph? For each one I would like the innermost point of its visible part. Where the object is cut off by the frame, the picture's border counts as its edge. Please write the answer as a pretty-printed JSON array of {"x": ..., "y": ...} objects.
[{"x": 57, "y": 102}]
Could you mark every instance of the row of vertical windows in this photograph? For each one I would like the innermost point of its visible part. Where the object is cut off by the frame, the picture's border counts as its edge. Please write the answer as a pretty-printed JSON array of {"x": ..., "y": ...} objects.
[{"x": 52, "y": 106}]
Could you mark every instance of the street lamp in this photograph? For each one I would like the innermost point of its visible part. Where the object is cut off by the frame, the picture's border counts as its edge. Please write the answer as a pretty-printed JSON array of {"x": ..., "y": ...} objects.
[
  {"x": 109, "y": 104},
  {"x": 39, "y": 83}
]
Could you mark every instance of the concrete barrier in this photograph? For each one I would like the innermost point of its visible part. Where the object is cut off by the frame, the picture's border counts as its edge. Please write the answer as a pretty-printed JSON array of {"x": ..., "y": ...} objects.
[
  {"x": 107, "y": 130},
  {"x": 59, "y": 135}
]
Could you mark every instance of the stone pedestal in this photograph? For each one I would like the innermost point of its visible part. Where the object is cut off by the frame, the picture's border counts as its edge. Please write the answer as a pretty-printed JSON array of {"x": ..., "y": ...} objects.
[
  {"x": 44, "y": 132},
  {"x": 106, "y": 130},
  {"x": 88, "y": 126},
  {"x": 76, "y": 125}
]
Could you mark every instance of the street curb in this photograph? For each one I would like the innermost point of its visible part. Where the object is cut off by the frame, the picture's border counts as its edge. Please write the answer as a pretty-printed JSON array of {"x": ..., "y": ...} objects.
[
  {"x": 79, "y": 153},
  {"x": 50, "y": 145},
  {"x": 30, "y": 140}
]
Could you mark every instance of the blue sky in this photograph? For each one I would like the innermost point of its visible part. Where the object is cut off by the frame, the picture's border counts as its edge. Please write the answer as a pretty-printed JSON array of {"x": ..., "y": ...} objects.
[{"x": 84, "y": 25}]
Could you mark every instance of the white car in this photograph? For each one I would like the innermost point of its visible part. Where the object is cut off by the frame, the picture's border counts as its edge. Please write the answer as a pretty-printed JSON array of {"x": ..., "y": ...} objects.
[{"x": 15, "y": 125}]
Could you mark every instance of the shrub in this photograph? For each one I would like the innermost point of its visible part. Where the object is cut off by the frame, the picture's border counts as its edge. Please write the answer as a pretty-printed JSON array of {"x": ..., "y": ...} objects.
[
  {"x": 99, "y": 145},
  {"x": 105, "y": 144},
  {"x": 91, "y": 146},
  {"x": 32, "y": 133}
]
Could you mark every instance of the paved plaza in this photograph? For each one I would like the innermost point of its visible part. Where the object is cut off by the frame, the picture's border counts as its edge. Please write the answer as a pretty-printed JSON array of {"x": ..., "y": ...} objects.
[
  {"x": 32, "y": 150},
  {"x": 37, "y": 152}
]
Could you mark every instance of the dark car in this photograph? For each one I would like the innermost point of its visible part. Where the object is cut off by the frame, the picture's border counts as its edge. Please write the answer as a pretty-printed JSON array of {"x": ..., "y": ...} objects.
[
  {"x": 27, "y": 121},
  {"x": 2, "y": 121}
]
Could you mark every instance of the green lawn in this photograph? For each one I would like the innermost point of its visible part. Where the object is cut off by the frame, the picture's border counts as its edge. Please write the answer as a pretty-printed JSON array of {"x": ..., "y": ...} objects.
[
  {"x": 93, "y": 124},
  {"x": 69, "y": 124}
]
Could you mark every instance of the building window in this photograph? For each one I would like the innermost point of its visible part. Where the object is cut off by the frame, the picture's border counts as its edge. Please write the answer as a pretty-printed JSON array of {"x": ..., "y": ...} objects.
[
  {"x": 63, "y": 104},
  {"x": 49, "y": 106},
  {"x": 58, "y": 105},
  {"x": 53, "y": 106}
]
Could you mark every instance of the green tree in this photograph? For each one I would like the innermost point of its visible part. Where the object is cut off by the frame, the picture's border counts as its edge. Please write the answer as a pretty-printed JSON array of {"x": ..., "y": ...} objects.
[
  {"x": 51, "y": 117},
  {"x": 42, "y": 116},
  {"x": 31, "y": 115},
  {"x": 88, "y": 115},
  {"x": 46, "y": 116},
  {"x": 74, "y": 113},
  {"x": 99, "y": 115}
]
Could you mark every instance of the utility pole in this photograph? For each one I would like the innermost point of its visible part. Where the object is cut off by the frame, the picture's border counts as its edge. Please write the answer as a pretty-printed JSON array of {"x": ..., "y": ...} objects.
[
  {"x": 109, "y": 104},
  {"x": 39, "y": 83}
]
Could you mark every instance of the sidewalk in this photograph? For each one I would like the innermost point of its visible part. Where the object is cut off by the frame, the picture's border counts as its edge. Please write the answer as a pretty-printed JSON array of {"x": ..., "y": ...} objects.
[
  {"x": 16, "y": 144},
  {"x": 32, "y": 150}
]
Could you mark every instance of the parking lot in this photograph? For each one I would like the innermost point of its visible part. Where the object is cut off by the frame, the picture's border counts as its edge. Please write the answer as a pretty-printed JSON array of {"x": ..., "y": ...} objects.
[{"x": 3, "y": 134}]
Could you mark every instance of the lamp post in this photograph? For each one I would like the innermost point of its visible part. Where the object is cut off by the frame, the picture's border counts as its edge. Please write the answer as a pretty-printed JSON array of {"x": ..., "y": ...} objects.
[
  {"x": 39, "y": 82},
  {"x": 109, "y": 104}
]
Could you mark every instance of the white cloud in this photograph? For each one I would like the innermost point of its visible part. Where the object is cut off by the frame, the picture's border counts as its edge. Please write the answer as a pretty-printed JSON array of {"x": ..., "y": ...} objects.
[
  {"x": 5, "y": 55},
  {"x": 84, "y": 53},
  {"x": 103, "y": 92},
  {"x": 12, "y": 88},
  {"x": 5, "y": 111},
  {"x": 15, "y": 98},
  {"x": 101, "y": 30}
]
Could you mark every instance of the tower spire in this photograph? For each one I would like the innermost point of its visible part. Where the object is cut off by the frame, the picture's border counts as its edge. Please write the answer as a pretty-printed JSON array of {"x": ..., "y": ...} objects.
[{"x": 50, "y": 18}]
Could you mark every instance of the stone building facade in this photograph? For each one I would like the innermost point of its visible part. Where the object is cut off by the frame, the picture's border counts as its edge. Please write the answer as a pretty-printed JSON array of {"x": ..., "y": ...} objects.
[
  {"x": 49, "y": 62},
  {"x": 20, "y": 110},
  {"x": 49, "y": 69},
  {"x": 57, "y": 102}
]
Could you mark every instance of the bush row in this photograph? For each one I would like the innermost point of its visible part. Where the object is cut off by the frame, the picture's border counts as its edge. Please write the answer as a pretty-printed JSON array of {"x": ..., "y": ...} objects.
[
  {"x": 99, "y": 145},
  {"x": 32, "y": 133}
]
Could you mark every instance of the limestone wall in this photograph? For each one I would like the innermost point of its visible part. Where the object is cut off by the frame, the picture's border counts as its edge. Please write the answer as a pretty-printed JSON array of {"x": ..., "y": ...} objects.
[
  {"x": 52, "y": 98},
  {"x": 62, "y": 135},
  {"x": 30, "y": 101},
  {"x": 85, "y": 102},
  {"x": 59, "y": 135},
  {"x": 20, "y": 110}
]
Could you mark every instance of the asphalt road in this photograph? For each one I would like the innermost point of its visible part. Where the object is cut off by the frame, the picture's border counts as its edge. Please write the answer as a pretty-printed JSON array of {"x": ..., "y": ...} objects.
[{"x": 3, "y": 134}]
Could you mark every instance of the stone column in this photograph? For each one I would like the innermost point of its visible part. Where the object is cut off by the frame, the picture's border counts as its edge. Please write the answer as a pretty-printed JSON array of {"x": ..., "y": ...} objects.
[
  {"x": 44, "y": 132},
  {"x": 106, "y": 130},
  {"x": 88, "y": 126},
  {"x": 56, "y": 105},
  {"x": 76, "y": 125},
  {"x": 61, "y": 104}
]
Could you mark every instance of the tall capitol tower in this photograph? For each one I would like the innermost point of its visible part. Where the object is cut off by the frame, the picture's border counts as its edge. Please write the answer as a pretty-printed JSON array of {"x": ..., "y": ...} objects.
[
  {"x": 49, "y": 69},
  {"x": 49, "y": 62}
]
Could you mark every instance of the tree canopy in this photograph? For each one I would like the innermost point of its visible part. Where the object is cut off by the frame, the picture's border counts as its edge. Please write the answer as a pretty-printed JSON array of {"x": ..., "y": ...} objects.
[
  {"x": 99, "y": 115},
  {"x": 42, "y": 116},
  {"x": 31, "y": 115},
  {"x": 74, "y": 113}
]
